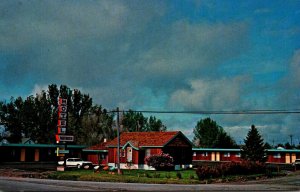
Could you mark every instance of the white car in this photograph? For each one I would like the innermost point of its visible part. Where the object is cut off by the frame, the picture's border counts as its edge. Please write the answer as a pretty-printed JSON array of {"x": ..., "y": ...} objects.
[
  {"x": 76, "y": 162},
  {"x": 297, "y": 162}
]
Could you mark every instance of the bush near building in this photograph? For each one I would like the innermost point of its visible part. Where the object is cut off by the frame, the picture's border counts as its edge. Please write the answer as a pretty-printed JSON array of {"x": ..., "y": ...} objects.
[
  {"x": 160, "y": 161},
  {"x": 231, "y": 168}
]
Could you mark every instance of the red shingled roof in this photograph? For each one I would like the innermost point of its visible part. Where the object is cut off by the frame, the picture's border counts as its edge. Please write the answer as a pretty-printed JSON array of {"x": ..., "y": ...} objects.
[{"x": 139, "y": 139}]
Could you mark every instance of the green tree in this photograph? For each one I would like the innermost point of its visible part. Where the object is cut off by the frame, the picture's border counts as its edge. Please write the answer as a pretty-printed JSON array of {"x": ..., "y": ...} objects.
[
  {"x": 2, "y": 114},
  {"x": 43, "y": 131},
  {"x": 207, "y": 133},
  {"x": 224, "y": 141},
  {"x": 98, "y": 125},
  {"x": 36, "y": 117},
  {"x": 287, "y": 145},
  {"x": 254, "y": 149},
  {"x": 267, "y": 146},
  {"x": 78, "y": 107},
  {"x": 11, "y": 118},
  {"x": 29, "y": 116},
  {"x": 155, "y": 124},
  {"x": 135, "y": 121}
]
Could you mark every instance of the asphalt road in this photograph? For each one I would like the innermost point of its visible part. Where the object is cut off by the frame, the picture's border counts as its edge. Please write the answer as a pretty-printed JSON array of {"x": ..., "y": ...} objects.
[{"x": 7, "y": 184}]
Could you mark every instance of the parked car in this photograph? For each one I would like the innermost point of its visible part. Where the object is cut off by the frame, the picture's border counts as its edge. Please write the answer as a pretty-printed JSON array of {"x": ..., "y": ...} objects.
[
  {"x": 76, "y": 162},
  {"x": 297, "y": 163}
]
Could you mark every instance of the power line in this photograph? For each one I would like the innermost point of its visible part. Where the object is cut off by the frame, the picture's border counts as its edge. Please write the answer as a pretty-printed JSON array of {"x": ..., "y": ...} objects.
[{"x": 237, "y": 112}]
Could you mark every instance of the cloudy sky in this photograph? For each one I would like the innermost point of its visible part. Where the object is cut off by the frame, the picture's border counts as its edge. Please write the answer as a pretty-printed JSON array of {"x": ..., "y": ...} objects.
[{"x": 161, "y": 55}]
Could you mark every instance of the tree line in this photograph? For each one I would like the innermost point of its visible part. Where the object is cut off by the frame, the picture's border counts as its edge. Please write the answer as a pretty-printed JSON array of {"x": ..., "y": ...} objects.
[{"x": 36, "y": 117}]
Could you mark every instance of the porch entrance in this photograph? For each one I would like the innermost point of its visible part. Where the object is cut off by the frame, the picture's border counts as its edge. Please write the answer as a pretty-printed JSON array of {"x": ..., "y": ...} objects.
[{"x": 129, "y": 154}]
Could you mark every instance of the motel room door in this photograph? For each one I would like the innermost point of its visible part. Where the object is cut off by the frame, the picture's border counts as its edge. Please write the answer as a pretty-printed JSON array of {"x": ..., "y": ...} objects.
[{"x": 129, "y": 154}]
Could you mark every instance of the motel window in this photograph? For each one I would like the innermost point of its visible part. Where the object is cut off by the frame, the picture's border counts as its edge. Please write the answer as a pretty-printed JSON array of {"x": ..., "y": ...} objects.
[
  {"x": 122, "y": 152},
  {"x": 277, "y": 155},
  {"x": 204, "y": 154},
  {"x": 238, "y": 154},
  {"x": 147, "y": 152},
  {"x": 226, "y": 154},
  {"x": 194, "y": 154}
]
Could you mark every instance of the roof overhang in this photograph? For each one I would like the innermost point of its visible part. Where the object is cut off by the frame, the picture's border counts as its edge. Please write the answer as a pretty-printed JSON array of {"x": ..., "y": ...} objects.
[
  {"x": 284, "y": 150},
  {"x": 95, "y": 151},
  {"x": 216, "y": 149},
  {"x": 43, "y": 145},
  {"x": 152, "y": 146}
]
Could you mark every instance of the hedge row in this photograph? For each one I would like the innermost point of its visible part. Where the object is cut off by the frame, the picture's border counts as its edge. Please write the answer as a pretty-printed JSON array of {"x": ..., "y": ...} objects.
[{"x": 230, "y": 168}]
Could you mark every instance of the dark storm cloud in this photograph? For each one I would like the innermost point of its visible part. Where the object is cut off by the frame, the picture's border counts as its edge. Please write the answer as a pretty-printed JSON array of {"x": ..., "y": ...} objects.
[
  {"x": 141, "y": 55},
  {"x": 111, "y": 46},
  {"x": 79, "y": 43}
]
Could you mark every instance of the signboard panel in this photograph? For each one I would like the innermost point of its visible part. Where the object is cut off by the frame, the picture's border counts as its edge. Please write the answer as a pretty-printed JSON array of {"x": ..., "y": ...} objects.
[
  {"x": 62, "y": 151},
  {"x": 65, "y": 138}
]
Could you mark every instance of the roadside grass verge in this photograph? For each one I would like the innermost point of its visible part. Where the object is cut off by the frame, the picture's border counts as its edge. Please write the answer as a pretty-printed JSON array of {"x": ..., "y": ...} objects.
[
  {"x": 151, "y": 177},
  {"x": 129, "y": 176}
]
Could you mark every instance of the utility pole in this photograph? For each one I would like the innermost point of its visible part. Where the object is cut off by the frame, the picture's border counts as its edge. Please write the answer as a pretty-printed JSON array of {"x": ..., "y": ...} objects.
[{"x": 118, "y": 148}]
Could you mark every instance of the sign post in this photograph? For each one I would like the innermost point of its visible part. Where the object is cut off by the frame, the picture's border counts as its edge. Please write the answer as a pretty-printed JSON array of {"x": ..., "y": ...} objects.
[{"x": 61, "y": 137}]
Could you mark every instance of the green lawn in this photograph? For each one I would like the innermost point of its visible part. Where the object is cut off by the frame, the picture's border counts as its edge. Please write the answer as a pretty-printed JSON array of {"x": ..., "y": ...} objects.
[
  {"x": 155, "y": 177},
  {"x": 130, "y": 176}
]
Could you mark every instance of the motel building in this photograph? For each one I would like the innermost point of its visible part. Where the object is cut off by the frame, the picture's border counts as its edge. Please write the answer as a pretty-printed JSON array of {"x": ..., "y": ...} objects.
[
  {"x": 97, "y": 154},
  {"x": 135, "y": 146},
  {"x": 274, "y": 156},
  {"x": 29, "y": 153}
]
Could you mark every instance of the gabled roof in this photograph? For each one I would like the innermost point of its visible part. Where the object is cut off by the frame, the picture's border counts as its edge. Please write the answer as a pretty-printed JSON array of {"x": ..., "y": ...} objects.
[
  {"x": 27, "y": 141},
  {"x": 133, "y": 144},
  {"x": 145, "y": 139}
]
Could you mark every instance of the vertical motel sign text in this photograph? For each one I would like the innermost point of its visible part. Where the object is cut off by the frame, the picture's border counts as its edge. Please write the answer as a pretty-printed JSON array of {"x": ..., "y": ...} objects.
[
  {"x": 62, "y": 123},
  {"x": 62, "y": 117}
]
